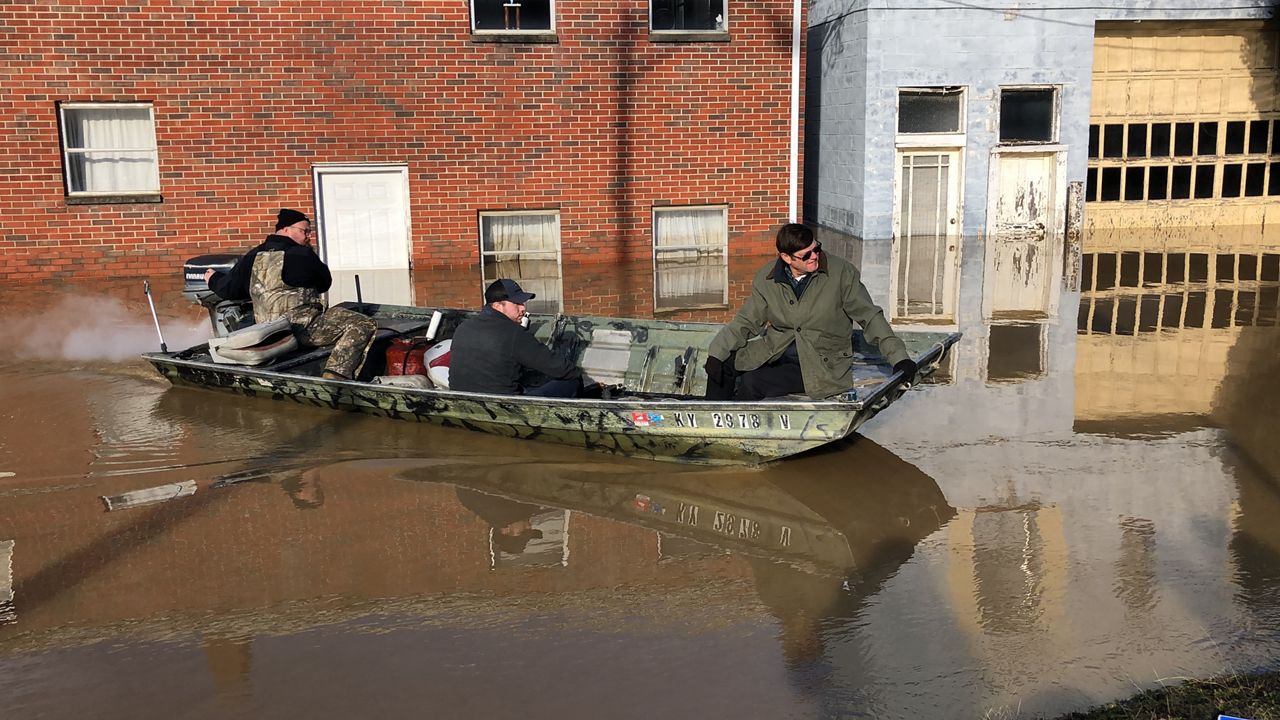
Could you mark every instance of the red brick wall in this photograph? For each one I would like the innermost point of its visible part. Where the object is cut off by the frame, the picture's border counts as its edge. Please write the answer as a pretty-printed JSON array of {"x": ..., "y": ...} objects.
[{"x": 604, "y": 124}]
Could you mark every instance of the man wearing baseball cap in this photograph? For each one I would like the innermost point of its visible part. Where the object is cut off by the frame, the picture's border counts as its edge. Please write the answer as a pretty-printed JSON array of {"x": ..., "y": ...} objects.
[{"x": 492, "y": 351}]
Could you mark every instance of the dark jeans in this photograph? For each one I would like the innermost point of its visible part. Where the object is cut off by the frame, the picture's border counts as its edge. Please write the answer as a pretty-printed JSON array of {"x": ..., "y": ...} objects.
[
  {"x": 556, "y": 388},
  {"x": 773, "y": 380}
]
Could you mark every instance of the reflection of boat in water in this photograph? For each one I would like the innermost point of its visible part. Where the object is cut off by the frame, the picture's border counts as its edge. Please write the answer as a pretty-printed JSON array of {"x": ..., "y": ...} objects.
[
  {"x": 391, "y": 535},
  {"x": 833, "y": 512}
]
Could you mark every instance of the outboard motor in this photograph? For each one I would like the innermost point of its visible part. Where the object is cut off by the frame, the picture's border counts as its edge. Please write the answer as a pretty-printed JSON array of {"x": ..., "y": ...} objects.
[{"x": 225, "y": 316}]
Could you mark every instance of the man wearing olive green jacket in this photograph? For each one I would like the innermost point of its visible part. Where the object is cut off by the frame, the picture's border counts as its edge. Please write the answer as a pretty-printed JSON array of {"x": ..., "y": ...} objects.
[{"x": 795, "y": 332}]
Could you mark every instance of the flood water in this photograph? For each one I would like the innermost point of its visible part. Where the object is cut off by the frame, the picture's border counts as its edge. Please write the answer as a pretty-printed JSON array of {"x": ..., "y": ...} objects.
[{"x": 1081, "y": 506}]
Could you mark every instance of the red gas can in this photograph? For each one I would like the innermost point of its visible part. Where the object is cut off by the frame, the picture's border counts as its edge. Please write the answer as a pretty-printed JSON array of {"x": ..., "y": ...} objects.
[{"x": 404, "y": 357}]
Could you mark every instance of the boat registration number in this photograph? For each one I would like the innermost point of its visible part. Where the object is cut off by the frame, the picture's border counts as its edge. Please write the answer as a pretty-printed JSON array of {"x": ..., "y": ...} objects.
[{"x": 730, "y": 421}]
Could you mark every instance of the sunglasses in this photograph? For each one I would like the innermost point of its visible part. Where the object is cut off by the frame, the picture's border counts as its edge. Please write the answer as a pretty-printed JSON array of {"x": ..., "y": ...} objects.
[{"x": 807, "y": 256}]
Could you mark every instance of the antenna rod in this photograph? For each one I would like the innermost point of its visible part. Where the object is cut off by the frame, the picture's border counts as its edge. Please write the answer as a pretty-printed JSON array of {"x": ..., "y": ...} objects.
[{"x": 146, "y": 290}]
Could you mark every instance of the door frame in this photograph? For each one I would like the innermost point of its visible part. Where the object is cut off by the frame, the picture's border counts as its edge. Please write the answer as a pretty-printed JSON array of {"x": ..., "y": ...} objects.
[
  {"x": 1055, "y": 231},
  {"x": 319, "y": 170},
  {"x": 956, "y": 181}
]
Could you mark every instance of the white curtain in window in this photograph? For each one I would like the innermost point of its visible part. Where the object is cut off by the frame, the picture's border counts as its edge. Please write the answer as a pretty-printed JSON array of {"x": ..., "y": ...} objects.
[
  {"x": 690, "y": 257},
  {"x": 119, "y": 150},
  {"x": 525, "y": 248}
]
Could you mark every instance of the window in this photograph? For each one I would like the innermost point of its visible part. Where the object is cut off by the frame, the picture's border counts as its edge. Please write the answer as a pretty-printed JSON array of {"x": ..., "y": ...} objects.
[
  {"x": 930, "y": 110},
  {"x": 109, "y": 149},
  {"x": 513, "y": 16},
  {"x": 1027, "y": 115},
  {"x": 687, "y": 15},
  {"x": 690, "y": 257},
  {"x": 524, "y": 246}
]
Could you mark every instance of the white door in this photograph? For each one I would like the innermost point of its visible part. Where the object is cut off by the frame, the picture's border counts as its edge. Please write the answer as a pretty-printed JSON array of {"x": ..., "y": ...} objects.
[
  {"x": 364, "y": 231},
  {"x": 926, "y": 235},
  {"x": 1023, "y": 226}
]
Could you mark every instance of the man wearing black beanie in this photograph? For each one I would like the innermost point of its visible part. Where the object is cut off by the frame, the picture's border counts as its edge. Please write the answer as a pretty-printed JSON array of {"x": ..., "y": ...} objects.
[{"x": 284, "y": 278}]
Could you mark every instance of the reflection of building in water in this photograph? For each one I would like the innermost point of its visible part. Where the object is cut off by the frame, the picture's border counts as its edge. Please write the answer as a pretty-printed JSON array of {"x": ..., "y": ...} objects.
[
  {"x": 6, "y": 582},
  {"x": 1155, "y": 330}
]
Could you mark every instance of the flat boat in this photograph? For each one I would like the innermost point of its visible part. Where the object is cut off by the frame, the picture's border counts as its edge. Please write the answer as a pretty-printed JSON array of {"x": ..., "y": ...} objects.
[{"x": 650, "y": 371}]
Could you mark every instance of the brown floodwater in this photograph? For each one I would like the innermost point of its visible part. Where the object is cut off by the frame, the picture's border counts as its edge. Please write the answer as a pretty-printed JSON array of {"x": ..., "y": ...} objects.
[{"x": 1081, "y": 506}]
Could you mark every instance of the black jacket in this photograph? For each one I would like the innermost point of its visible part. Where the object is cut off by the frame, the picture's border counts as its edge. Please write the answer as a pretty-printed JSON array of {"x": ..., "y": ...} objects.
[
  {"x": 302, "y": 269},
  {"x": 490, "y": 352}
]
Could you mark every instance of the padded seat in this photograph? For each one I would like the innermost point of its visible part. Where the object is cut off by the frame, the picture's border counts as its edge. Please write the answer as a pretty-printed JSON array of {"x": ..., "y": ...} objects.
[{"x": 255, "y": 345}]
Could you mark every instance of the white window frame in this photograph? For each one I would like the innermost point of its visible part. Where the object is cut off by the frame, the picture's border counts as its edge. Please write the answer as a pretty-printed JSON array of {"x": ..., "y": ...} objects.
[
  {"x": 485, "y": 280},
  {"x": 931, "y": 140},
  {"x": 1056, "y": 120},
  {"x": 723, "y": 29},
  {"x": 504, "y": 31},
  {"x": 67, "y": 152},
  {"x": 724, "y": 284}
]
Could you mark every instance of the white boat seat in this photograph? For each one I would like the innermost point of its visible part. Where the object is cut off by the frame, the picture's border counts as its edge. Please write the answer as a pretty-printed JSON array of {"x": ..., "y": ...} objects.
[{"x": 255, "y": 345}]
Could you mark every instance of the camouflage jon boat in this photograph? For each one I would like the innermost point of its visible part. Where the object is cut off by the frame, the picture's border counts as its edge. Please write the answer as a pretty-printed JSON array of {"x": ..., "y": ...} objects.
[{"x": 651, "y": 368}]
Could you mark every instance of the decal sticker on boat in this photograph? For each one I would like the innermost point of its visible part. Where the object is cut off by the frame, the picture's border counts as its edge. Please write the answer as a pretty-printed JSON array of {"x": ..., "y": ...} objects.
[{"x": 643, "y": 419}]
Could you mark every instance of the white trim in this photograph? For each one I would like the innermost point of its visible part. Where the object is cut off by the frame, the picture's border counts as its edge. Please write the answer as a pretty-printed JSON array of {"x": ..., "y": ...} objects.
[
  {"x": 794, "y": 179},
  {"x": 503, "y": 31},
  {"x": 484, "y": 281}
]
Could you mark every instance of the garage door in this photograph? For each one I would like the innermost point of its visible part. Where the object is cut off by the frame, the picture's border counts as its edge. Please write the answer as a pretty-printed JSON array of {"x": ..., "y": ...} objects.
[{"x": 1183, "y": 147}]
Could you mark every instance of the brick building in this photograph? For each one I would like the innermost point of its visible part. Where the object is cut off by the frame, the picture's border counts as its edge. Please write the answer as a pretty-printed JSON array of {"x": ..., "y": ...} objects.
[{"x": 629, "y": 156}]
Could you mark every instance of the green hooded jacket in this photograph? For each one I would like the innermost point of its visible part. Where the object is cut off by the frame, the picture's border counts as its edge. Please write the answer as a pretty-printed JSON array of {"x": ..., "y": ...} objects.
[{"x": 820, "y": 322}]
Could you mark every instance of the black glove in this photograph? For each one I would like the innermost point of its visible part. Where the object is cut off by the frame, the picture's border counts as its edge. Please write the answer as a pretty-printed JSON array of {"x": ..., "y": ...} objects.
[
  {"x": 715, "y": 370},
  {"x": 908, "y": 368}
]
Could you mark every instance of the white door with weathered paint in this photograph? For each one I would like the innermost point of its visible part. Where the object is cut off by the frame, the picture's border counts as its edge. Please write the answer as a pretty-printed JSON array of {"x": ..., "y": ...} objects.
[
  {"x": 363, "y": 213},
  {"x": 926, "y": 237},
  {"x": 1021, "y": 233}
]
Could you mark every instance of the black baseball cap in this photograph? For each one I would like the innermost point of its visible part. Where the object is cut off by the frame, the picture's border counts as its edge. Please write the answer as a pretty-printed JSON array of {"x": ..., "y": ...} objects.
[{"x": 506, "y": 289}]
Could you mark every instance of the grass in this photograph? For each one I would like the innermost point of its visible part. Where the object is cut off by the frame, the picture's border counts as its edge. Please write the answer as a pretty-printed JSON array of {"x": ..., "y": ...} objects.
[{"x": 1256, "y": 697}]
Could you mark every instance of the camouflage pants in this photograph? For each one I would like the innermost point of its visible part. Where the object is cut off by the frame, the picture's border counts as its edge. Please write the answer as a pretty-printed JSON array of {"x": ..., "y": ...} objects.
[{"x": 349, "y": 332}]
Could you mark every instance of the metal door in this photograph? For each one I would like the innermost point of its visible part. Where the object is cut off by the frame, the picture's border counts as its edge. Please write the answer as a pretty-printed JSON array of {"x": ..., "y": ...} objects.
[{"x": 1024, "y": 220}]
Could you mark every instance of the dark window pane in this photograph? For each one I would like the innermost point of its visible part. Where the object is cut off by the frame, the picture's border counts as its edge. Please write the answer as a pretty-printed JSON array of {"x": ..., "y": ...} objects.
[
  {"x": 1273, "y": 187},
  {"x": 1195, "y": 310},
  {"x": 1270, "y": 267},
  {"x": 1235, "y": 137},
  {"x": 1248, "y": 267},
  {"x": 1181, "y": 182},
  {"x": 1129, "y": 262},
  {"x": 1086, "y": 270},
  {"x": 927, "y": 111},
  {"x": 1126, "y": 315},
  {"x": 1158, "y": 183},
  {"x": 1152, "y": 268},
  {"x": 1222, "y": 310},
  {"x": 1160, "y": 140},
  {"x": 1148, "y": 313},
  {"x": 688, "y": 15},
  {"x": 1184, "y": 136},
  {"x": 1137, "y": 141},
  {"x": 1133, "y": 183},
  {"x": 1204, "y": 181},
  {"x": 1106, "y": 271},
  {"x": 1093, "y": 142},
  {"x": 1113, "y": 141},
  {"x": 1198, "y": 268},
  {"x": 1226, "y": 268},
  {"x": 1026, "y": 115},
  {"x": 1253, "y": 177},
  {"x": 1231, "y": 180},
  {"x": 1111, "y": 183},
  {"x": 1091, "y": 184},
  {"x": 1172, "y": 311},
  {"x": 1175, "y": 268},
  {"x": 512, "y": 14},
  {"x": 1208, "y": 142},
  {"x": 1258, "y": 136}
]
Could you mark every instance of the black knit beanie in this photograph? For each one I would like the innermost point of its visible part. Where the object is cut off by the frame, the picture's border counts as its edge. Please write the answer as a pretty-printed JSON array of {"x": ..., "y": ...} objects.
[{"x": 288, "y": 217}]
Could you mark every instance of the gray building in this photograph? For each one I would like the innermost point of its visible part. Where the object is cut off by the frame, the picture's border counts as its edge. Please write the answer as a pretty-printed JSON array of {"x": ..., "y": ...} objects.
[{"x": 1022, "y": 132}]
